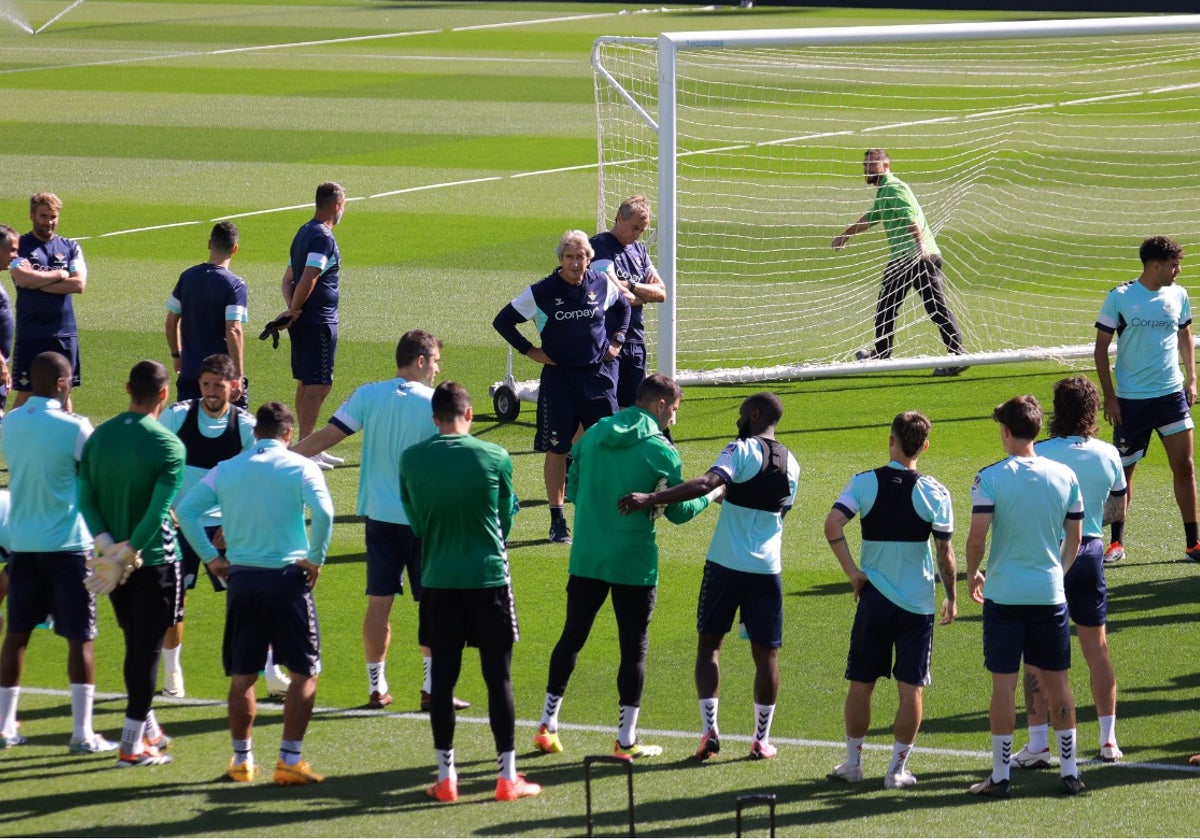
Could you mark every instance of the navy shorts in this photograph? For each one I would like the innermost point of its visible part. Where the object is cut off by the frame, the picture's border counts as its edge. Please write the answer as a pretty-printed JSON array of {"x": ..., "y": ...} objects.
[
  {"x": 1041, "y": 633},
  {"x": 391, "y": 550},
  {"x": 1087, "y": 591},
  {"x": 880, "y": 625},
  {"x": 724, "y": 591},
  {"x": 1167, "y": 415},
  {"x": 271, "y": 608},
  {"x": 26, "y": 350},
  {"x": 631, "y": 370},
  {"x": 191, "y": 563},
  {"x": 314, "y": 348},
  {"x": 50, "y": 583},
  {"x": 479, "y": 618},
  {"x": 152, "y": 598},
  {"x": 569, "y": 398}
]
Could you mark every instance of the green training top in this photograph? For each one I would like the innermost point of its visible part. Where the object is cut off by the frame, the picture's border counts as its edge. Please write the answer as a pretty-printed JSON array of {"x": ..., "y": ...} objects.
[
  {"x": 896, "y": 208},
  {"x": 625, "y": 453},
  {"x": 458, "y": 493},
  {"x": 130, "y": 471}
]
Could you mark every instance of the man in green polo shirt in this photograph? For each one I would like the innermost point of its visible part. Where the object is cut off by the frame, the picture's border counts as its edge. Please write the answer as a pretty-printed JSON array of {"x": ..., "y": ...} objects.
[{"x": 914, "y": 263}]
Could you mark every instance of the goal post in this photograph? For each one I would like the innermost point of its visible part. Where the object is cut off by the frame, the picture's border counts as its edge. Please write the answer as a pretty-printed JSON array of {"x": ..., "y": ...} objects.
[{"x": 1042, "y": 153}]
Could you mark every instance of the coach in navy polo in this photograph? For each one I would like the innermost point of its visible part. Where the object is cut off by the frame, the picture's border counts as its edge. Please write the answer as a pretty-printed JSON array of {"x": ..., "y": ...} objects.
[
  {"x": 205, "y": 313},
  {"x": 578, "y": 356},
  {"x": 48, "y": 270},
  {"x": 310, "y": 290}
]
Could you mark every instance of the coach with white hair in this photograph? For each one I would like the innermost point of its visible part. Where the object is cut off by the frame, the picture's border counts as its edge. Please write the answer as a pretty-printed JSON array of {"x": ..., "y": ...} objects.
[{"x": 578, "y": 356}]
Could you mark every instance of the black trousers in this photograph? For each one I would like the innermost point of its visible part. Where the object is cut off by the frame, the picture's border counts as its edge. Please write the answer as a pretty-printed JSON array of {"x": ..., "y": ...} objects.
[
  {"x": 633, "y": 607},
  {"x": 146, "y": 606},
  {"x": 925, "y": 276}
]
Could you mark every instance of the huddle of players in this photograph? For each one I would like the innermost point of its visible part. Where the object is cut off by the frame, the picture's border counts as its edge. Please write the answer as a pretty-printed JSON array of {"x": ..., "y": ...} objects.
[
  {"x": 743, "y": 568},
  {"x": 1046, "y": 562}
]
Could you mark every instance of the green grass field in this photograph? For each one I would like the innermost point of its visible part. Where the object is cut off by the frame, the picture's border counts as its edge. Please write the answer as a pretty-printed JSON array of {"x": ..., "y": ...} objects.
[{"x": 464, "y": 134}]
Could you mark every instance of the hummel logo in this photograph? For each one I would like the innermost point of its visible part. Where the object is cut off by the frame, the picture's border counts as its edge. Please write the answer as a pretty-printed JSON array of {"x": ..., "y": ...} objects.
[{"x": 558, "y": 301}]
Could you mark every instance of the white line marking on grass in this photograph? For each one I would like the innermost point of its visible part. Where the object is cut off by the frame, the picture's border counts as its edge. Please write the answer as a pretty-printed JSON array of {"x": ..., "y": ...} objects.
[
  {"x": 291, "y": 207},
  {"x": 565, "y": 19},
  {"x": 329, "y": 711}
]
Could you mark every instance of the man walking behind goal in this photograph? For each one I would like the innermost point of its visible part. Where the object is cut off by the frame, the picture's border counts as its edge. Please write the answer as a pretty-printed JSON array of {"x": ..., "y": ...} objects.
[
  {"x": 131, "y": 470},
  {"x": 616, "y": 554},
  {"x": 1034, "y": 508},
  {"x": 1097, "y": 465},
  {"x": 271, "y": 572},
  {"x": 743, "y": 571},
  {"x": 894, "y": 589},
  {"x": 458, "y": 492},
  {"x": 915, "y": 262},
  {"x": 1152, "y": 320}
]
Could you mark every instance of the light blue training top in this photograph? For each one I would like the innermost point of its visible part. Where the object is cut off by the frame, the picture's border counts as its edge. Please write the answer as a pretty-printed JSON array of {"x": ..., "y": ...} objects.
[{"x": 263, "y": 493}]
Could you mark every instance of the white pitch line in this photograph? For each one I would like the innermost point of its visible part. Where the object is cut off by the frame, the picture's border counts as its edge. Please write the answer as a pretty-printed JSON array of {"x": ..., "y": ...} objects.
[
  {"x": 565, "y": 19},
  {"x": 330, "y": 711},
  {"x": 291, "y": 207}
]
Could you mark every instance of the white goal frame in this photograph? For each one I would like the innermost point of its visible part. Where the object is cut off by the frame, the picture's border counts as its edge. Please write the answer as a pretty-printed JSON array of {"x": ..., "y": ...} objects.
[{"x": 671, "y": 44}]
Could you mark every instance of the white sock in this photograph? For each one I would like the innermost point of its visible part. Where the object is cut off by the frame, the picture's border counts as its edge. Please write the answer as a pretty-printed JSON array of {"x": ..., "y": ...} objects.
[
  {"x": 445, "y": 760},
  {"x": 550, "y": 711},
  {"x": 1108, "y": 730},
  {"x": 507, "y": 762},
  {"x": 627, "y": 727},
  {"x": 153, "y": 730},
  {"x": 763, "y": 715},
  {"x": 1001, "y": 756},
  {"x": 427, "y": 680},
  {"x": 170, "y": 657},
  {"x": 8, "y": 711},
  {"x": 131, "y": 736},
  {"x": 854, "y": 747},
  {"x": 270, "y": 666},
  {"x": 377, "y": 678},
  {"x": 290, "y": 751},
  {"x": 1067, "y": 759},
  {"x": 900, "y": 753},
  {"x": 82, "y": 695},
  {"x": 708, "y": 714},
  {"x": 1039, "y": 738},
  {"x": 243, "y": 751}
]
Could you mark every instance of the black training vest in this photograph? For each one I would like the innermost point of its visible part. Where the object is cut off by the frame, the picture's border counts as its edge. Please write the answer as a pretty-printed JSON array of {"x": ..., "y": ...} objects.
[
  {"x": 770, "y": 489},
  {"x": 204, "y": 451},
  {"x": 893, "y": 517}
]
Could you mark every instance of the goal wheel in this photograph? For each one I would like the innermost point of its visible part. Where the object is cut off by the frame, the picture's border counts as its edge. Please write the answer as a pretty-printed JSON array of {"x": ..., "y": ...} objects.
[{"x": 506, "y": 404}]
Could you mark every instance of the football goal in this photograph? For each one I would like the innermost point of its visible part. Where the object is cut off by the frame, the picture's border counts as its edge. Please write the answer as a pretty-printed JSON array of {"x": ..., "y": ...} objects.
[{"x": 1042, "y": 153}]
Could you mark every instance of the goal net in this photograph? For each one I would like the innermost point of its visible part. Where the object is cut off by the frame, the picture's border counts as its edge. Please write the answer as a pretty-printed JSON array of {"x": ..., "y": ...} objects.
[{"x": 1042, "y": 153}]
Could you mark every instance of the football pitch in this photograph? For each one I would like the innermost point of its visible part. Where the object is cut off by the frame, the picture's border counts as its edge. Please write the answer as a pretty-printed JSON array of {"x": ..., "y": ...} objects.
[{"x": 464, "y": 134}]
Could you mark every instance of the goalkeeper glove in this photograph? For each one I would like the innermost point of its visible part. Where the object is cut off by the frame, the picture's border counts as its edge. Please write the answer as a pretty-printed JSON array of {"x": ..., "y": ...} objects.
[
  {"x": 112, "y": 568},
  {"x": 101, "y": 544},
  {"x": 272, "y": 329}
]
